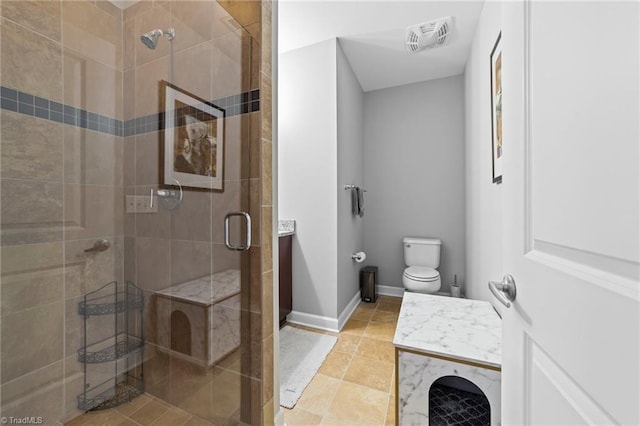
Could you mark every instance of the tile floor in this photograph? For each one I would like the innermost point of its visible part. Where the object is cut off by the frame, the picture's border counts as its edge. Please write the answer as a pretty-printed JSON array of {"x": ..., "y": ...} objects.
[{"x": 355, "y": 385}]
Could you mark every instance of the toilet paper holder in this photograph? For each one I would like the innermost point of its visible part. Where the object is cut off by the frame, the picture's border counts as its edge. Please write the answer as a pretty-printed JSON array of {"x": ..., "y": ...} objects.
[{"x": 359, "y": 256}]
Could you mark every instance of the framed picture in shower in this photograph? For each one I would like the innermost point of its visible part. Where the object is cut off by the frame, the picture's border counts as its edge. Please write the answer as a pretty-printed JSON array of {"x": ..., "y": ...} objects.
[
  {"x": 193, "y": 140},
  {"x": 496, "y": 110}
]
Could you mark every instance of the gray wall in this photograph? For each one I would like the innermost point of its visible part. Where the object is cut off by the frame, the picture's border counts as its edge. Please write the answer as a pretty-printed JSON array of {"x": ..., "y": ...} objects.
[
  {"x": 307, "y": 175},
  {"x": 483, "y": 198},
  {"x": 350, "y": 171},
  {"x": 414, "y": 174}
]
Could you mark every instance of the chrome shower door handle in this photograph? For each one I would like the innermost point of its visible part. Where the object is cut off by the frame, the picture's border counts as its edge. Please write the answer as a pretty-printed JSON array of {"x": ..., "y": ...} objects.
[
  {"x": 504, "y": 291},
  {"x": 227, "y": 236}
]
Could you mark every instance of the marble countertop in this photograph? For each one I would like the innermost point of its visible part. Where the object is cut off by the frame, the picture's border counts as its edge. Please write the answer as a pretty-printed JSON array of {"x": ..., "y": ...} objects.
[
  {"x": 286, "y": 227},
  {"x": 468, "y": 330},
  {"x": 205, "y": 291}
]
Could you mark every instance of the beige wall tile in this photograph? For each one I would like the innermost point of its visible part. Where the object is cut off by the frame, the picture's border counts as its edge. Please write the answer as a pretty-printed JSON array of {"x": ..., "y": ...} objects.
[
  {"x": 246, "y": 13},
  {"x": 148, "y": 167},
  {"x": 93, "y": 211},
  {"x": 31, "y": 63},
  {"x": 31, "y": 339},
  {"x": 85, "y": 272},
  {"x": 223, "y": 258},
  {"x": 191, "y": 70},
  {"x": 149, "y": 20},
  {"x": 267, "y": 173},
  {"x": 31, "y": 148},
  {"x": 29, "y": 290},
  {"x": 92, "y": 32},
  {"x": 226, "y": 65},
  {"x": 267, "y": 303},
  {"x": 136, "y": 9},
  {"x": 38, "y": 393},
  {"x": 267, "y": 415},
  {"x": 129, "y": 161},
  {"x": 265, "y": 106},
  {"x": 42, "y": 17},
  {"x": 266, "y": 38},
  {"x": 110, "y": 8},
  {"x": 92, "y": 157},
  {"x": 129, "y": 40},
  {"x": 267, "y": 370},
  {"x": 148, "y": 77},
  {"x": 153, "y": 263},
  {"x": 267, "y": 244},
  {"x": 189, "y": 260},
  {"x": 192, "y": 20},
  {"x": 151, "y": 225},
  {"x": 91, "y": 85},
  {"x": 234, "y": 156},
  {"x": 31, "y": 211},
  {"x": 192, "y": 221}
]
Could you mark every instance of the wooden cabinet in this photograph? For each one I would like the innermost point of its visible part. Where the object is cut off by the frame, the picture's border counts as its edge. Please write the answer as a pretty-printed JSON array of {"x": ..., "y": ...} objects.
[{"x": 286, "y": 299}]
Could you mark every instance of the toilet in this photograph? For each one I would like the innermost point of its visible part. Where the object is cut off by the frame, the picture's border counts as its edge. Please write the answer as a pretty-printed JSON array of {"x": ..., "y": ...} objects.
[{"x": 422, "y": 256}]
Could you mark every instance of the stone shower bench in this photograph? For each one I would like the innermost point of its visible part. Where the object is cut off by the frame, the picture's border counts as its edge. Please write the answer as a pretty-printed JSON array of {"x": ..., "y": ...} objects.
[{"x": 199, "y": 320}]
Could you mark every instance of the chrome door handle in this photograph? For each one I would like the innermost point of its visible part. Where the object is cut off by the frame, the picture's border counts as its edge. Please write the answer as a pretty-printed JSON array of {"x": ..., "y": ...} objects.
[
  {"x": 98, "y": 245},
  {"x": 227, "y": 237},
  {"x": 504, "y": 291}
]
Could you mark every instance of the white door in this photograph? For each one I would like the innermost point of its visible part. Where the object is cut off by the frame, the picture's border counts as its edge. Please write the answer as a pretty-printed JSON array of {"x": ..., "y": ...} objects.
[{"x": 571, "y": 207}]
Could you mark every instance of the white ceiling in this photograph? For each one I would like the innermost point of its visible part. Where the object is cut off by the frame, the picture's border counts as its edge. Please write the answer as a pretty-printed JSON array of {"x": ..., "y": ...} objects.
[{"x": 371, "y": 34}]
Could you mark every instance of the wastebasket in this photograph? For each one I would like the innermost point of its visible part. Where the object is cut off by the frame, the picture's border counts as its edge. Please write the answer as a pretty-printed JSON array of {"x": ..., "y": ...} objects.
[{"x": 368, "y": 282}]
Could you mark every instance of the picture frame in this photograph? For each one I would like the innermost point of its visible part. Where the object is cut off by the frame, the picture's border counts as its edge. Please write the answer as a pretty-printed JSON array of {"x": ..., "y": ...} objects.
[
  {"x": 193, "y": 140},
  {"x": 496, "y": 111}
]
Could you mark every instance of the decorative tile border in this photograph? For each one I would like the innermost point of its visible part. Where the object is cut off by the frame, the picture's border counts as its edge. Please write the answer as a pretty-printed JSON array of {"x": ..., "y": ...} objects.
[{"x": 28, "y": 104}]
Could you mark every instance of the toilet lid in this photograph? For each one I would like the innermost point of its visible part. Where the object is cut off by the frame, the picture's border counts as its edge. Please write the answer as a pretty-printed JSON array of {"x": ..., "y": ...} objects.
[{"x": 421, "y": 273}]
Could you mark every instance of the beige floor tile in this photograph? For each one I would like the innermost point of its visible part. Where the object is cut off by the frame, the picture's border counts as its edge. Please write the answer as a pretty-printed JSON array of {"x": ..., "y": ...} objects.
[
  {"x": 357, "y": 405},
  {"x": 197, "y": 421},
  {"x": 128, "y": 422},
  {"x": 149, "y": 412},
  {"x": 98, "y": 418},
  {"x": 335, "y": 364},
  {"x": 390, "y": 299},
  {"x": 376, "y": 349},
  {"x": 133, "y": 406},
  {"x": 370, "y": 373},
  {"x": 389, "y": 307},
  {"x": 318, "y": 394},
  {"x": 300, "y": 417},
  {"x": 347, "y": 343},
  {"x": 381, "y": 331},
  {"x": 363, "y": 313},
  {"x": 391, "y": 412},
  {"x": 355, "y": 327},
  {"x": 385, "y": 316},
  {"x": 172, "y": 417}
]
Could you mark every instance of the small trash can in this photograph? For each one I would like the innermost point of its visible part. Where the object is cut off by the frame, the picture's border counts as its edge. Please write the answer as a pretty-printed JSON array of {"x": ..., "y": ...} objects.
[{"x": 368, "y": 282}]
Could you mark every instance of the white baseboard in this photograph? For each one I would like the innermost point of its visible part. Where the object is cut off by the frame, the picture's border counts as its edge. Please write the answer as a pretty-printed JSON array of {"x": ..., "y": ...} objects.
[
  {"x": 325, "y": 323},
  {"x": 387, "y": 290},
  {"x": 348, "y": 310},
  {"x": 315, "y": 321}
]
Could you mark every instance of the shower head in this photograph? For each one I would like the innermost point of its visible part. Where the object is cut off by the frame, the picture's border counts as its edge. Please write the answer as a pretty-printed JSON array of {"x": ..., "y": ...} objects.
[{"x": 150, "y": 39}]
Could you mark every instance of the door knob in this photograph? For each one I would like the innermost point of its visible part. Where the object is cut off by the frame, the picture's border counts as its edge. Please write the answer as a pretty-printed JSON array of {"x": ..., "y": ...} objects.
[{"x": 504, "y": 291}]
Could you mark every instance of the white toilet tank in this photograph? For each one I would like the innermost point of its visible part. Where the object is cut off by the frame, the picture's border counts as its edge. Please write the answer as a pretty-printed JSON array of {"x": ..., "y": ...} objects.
[{"x": 421, "y": 252}]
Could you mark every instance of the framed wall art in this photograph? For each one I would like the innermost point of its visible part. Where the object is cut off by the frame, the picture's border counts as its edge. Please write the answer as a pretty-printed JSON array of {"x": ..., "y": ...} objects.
[
  {"x": 193, "y": 140},
  {"x": 496, "y": 110}
]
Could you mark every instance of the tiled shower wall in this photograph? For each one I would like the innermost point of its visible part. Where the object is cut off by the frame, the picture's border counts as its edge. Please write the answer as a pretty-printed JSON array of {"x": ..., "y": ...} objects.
[{"x": 65, "y": 188}]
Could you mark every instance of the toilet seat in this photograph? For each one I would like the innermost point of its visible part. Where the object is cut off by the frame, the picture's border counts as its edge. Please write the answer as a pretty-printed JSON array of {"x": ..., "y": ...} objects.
[{"x": 422, "y": 274}]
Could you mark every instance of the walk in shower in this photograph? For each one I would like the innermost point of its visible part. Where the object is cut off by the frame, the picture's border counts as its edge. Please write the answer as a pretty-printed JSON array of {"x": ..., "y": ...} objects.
[{"x": 135, "y": 214}]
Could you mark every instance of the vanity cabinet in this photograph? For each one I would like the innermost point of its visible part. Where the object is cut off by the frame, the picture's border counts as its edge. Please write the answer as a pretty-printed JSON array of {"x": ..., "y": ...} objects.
[{"x": 286, "y": 298}]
